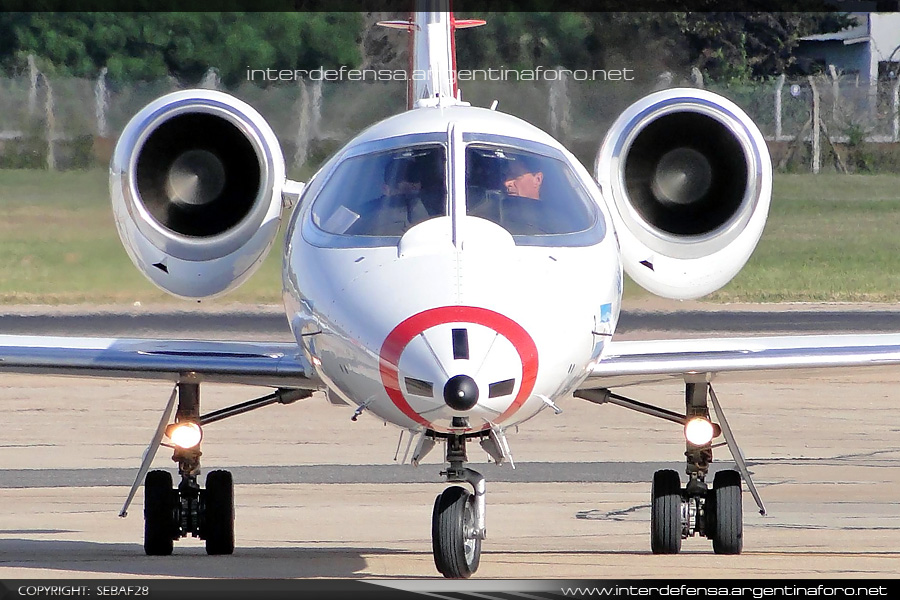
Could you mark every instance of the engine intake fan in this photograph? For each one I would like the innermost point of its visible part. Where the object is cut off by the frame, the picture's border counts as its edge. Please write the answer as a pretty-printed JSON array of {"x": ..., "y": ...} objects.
[
  {"x": 196, "y": 181},
  {"x": 687, "y": 178}
]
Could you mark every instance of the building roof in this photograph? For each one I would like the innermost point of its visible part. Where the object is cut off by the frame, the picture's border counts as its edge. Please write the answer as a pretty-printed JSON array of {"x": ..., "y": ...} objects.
[{"x": 852, "y": 35}]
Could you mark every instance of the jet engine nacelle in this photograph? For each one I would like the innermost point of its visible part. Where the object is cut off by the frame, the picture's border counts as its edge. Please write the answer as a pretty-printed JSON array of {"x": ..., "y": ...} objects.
[
  {"x": 687, "y": 178},
  {"x": 196, "y": 181}
]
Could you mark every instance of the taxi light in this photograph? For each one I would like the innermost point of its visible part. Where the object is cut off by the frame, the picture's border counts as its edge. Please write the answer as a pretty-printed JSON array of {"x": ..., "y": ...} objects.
[
  {"x": 699, "y": 431},
  {"x": 185, "y": 435}
]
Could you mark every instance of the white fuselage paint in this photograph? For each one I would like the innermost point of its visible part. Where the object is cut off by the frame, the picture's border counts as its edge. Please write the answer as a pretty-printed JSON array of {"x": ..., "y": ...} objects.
[{"x": 344, "y": 303}]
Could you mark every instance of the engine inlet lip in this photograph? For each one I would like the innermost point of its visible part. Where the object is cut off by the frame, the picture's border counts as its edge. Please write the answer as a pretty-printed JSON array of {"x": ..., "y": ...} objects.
[
  {"x": 690, "y": 246},
  {"x": 123, "y": 170}
]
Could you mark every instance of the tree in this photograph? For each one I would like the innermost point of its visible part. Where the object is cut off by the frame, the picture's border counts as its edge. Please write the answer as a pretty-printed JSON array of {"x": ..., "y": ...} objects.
[
  {"x": 149, "y": 45},
  {"x": 135, "y": 46},
  {"x": 726, "y": 46},
  {"x": 739, "y": 46}
]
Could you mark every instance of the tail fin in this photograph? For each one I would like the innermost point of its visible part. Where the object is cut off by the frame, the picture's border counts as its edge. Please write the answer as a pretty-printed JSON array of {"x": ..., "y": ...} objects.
[{"x": 432, "y": 51}]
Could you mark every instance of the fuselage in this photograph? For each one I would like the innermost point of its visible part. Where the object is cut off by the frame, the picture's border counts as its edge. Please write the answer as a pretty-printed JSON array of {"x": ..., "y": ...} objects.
[{"x": 459, "y": 311}]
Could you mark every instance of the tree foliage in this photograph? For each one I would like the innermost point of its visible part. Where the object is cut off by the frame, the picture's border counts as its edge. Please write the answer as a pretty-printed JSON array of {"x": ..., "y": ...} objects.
[
  {"x": 135, "y": 46},
  {"x": 726, "y": 46},
  {"x": 150, "y": 45}
]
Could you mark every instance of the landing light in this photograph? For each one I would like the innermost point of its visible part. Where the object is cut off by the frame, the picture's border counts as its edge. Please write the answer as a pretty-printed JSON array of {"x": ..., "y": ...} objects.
[
  {"x": 699, "y": 431},
  {"x": 185, "y": 435}
]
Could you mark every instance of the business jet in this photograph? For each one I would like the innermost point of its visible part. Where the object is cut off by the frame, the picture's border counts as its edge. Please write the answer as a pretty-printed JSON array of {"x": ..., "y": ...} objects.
[{"x": 454, "y": 271}]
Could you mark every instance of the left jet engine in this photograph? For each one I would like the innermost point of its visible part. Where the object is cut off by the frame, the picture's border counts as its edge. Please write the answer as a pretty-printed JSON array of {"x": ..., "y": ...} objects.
[{"x": 196, "y": 181}]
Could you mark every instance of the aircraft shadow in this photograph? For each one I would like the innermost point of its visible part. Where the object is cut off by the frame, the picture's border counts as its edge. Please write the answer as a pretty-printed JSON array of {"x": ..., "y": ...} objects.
[{"x": 264, "y": 563}]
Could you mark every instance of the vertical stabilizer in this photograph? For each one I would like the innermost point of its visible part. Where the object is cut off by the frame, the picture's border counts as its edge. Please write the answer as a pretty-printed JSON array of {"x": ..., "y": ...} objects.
[{"x": 432, "y": 51}]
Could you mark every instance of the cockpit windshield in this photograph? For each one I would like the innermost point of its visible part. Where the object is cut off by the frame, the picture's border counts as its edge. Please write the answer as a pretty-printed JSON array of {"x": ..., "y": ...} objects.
[
  {"x": 384, "y": 194},
  {"x": 527, "y": 194}
]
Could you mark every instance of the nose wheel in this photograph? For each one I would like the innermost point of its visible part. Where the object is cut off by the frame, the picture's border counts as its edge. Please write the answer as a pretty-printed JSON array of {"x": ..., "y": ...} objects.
[
  {"x": 457, "y": 550},
  {"x": 457, "y": 523}
]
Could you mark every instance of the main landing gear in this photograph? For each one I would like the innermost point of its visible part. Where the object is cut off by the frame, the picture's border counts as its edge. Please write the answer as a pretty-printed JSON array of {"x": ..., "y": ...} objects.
[
  {"x": 678, "y": 512},
  {"x": 172, "y": 513}
]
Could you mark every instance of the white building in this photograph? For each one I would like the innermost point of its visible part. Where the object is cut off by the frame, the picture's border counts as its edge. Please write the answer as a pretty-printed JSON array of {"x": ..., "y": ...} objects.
[{"x": 870, "y": 49}]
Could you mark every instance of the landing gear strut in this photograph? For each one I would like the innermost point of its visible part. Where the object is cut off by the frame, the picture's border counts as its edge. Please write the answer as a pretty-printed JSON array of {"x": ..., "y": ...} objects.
[
  {"x": 172, "y": 513},
  {"x": 696, "y": 509},
  {"x": 457, "y": 525}
]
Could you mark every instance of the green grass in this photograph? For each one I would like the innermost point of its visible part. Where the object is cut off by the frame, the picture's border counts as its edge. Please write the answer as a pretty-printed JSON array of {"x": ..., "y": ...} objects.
[
  {"x": 59, "y": 245},
  {"x": 828, "y": 238}
]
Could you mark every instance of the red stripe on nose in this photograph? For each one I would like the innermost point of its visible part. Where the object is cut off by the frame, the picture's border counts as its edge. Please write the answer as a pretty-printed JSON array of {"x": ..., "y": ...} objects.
[{"x": 397, "y": 340}]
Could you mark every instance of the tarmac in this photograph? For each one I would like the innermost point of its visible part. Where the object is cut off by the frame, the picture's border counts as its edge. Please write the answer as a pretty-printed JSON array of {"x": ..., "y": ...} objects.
[{"x": 318, "y": 495}]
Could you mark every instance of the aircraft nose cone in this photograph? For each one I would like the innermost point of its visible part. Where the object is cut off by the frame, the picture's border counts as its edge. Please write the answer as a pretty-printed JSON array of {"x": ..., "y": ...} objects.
[{"x": 461, "y": 393}]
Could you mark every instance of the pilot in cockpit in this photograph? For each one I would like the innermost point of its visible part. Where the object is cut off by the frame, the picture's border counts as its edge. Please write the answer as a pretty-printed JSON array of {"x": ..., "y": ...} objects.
[
  {"x": 511, "y": 194},
  {"x": 400, "y": 205},
  {"x": 523, "y": 179}
]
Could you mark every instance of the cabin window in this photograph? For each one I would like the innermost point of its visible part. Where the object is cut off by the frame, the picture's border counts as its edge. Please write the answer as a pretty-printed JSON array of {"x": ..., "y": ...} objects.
[
  {"x": 528, "y": 194},
  {"x": 384, "y": 194}
]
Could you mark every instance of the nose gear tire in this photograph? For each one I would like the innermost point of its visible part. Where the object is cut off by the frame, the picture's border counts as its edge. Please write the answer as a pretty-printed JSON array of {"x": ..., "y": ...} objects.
[{"x": 457, "y": 551}]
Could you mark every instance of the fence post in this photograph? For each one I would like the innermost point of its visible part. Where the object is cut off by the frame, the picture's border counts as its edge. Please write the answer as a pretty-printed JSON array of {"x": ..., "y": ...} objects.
[
  {"x": 301, "y": 140},
  {"x": 310, "y": 113},
  {"x": 101, "y": 98},
  {"x": 835, "y": 94},
  {"x": 895, "y": 110},
  {"x": 559, "y": 105},
  {"x": 316, "y": 107},
  {"x": 32, "y": 91},
  {"x": 51, "y": 123},
  {"x": 697, "y": 77},
  {"x": 778, "y": 85},
  {"x": 211, "y": 79},
  {"x": 816, "y": 147}
]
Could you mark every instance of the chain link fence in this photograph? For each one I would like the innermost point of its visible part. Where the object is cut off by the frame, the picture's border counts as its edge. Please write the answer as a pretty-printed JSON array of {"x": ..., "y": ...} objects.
[{"x": 66, "y": 123}]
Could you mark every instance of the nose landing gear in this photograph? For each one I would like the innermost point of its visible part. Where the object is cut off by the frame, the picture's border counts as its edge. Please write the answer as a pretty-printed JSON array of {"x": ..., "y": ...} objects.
[{"x": 457, "y": 523}]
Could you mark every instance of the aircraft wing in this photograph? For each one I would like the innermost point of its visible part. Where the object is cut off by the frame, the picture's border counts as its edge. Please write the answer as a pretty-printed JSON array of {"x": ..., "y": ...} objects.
[
  {"x": 264, "y": 364},
  {"x": 743, "y": 359}
]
